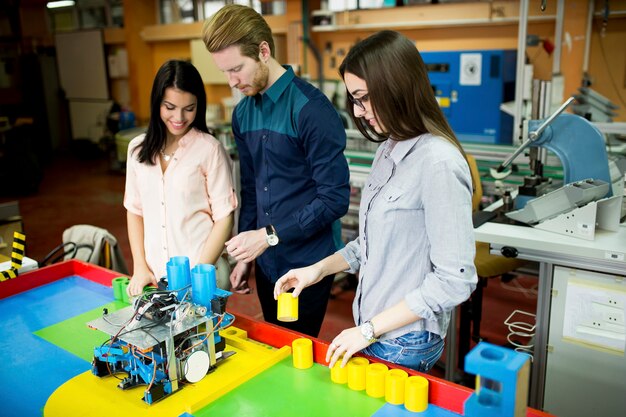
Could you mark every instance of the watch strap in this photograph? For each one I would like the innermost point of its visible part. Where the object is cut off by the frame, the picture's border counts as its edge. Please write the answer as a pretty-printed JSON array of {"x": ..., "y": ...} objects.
[{"x": 271, "y": 236}]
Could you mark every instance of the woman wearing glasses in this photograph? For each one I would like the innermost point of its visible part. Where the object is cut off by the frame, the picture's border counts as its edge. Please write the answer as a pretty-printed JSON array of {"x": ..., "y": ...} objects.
[{"x": 415, "y": 250}]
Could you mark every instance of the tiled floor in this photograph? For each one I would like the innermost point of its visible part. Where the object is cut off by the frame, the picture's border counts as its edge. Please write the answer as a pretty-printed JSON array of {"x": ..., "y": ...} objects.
[{"x": 80, "y": 191}]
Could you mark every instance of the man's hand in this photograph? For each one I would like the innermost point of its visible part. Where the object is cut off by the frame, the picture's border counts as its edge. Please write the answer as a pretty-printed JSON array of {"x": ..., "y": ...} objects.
[
  {"x": 239, "y": 278},
  {"x": 247, "y": 246}
]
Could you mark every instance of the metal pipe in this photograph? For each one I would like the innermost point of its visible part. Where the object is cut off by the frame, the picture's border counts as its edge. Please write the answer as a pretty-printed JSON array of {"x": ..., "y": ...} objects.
[
  {"x": 521, "y": 63},
  {"x": 545, "y": 100},
  {"x": 611, "y": 13},
  {"x": 537, "y": 97},
  {"x": 558, "y": 37},
  {"x": 510, "y": 159},
  {"x": 545, "y": 103},
  {"x": 588, "y": 31},
  {"x": 536, "y": 133},
  {"x": 532, "y": 136}
]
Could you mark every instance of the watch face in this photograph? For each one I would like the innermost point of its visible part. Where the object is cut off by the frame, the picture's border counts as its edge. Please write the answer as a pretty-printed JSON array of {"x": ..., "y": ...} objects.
[
  {"x": 272, "y": 240},
  {"x": 367, "y": 330}
]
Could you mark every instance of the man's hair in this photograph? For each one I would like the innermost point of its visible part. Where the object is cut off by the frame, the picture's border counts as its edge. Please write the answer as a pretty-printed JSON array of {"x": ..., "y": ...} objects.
[{"x": 240, "y": 25}]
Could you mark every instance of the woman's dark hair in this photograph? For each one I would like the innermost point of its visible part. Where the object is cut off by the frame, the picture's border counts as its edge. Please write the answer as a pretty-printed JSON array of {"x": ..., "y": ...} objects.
[
  {"x": 185, "y": 77},
  {"x": 399, "y": 89}
]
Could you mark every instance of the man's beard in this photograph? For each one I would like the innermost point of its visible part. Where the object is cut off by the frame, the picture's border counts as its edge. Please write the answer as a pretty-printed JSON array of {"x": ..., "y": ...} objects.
[{"x": 259, "y": 81}]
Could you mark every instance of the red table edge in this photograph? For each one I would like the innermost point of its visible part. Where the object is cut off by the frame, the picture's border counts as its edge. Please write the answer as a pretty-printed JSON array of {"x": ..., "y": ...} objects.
[{"x": 442, "y": 393}]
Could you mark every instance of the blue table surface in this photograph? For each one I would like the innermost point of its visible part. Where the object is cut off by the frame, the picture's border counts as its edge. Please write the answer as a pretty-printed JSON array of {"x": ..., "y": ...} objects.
[{"x": 32, "y": 367}]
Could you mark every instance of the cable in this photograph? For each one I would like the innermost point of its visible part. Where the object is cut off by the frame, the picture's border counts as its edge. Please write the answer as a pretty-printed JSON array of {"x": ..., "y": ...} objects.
[
  {"x": 162, "y": 308},
  {"x": 232, "y": 317},
  {"x": 216, "y": 327},
  {"x": 108, "y": 341},
  {"x": 104, "y": 317}
]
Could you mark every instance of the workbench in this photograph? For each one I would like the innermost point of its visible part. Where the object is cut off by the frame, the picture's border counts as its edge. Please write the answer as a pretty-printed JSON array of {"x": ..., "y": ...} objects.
[
  {"x": 47, "y": 350},
  {"x": 579, "y": 366}
]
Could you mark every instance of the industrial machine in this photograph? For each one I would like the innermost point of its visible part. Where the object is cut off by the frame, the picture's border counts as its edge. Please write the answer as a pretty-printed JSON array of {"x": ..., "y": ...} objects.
[
  {"x": 168, "y": 336},
  {"x": 577, "y": 209},
  {"x": 581, "y": 291},
  {"x": 563, "y": 200},
  {"x": 470, "y": 86},
  {"x": 575, "y": 141}
]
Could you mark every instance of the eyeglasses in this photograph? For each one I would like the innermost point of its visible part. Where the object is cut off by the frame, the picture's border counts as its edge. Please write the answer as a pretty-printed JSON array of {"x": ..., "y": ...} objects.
[{"x": 359, "y": 102}]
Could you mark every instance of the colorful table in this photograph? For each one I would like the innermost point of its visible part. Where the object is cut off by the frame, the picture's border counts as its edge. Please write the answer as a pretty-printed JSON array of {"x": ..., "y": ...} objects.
[{"x": 46, "y": 350}]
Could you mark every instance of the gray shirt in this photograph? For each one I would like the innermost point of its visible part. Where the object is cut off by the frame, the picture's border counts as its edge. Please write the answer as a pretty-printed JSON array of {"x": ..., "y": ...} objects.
[{"x": 416, "y": 239}]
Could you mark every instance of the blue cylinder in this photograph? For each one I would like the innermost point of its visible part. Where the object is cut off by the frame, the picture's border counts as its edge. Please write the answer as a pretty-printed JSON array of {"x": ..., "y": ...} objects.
[
  {"x": 203, "y": 284},
  {"x": 178, "y": 275}
]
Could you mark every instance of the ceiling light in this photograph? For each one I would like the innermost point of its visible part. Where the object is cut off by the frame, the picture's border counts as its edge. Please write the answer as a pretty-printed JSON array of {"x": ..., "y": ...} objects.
[{"x": 58, "y": 4}]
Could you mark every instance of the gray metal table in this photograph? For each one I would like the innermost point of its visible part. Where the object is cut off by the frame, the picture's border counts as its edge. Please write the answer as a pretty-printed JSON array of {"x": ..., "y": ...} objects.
[{"x": 590, "y": 374}]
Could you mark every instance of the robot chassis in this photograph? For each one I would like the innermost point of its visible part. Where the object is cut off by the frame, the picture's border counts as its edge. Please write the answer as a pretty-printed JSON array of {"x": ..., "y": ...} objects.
[{"x": 162, "y": 342}]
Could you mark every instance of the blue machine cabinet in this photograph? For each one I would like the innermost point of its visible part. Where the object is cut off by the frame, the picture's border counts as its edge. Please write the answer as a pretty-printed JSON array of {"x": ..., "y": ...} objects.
[{"x": 470, "y": 86}]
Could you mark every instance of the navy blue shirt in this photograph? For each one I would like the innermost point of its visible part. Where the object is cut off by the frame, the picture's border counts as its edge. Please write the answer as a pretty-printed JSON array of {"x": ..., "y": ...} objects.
[{"x": 294, "y": 174}]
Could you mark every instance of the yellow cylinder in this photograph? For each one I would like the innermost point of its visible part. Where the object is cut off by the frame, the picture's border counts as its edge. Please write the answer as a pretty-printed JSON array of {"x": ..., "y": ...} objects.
[
  {"x": 394, "y": 386},
  {"x": 416, "y": 394},
  {"x": 302, "y": 351},
  {"x": 338, "y": 374},
  {"x": 287, "y": 307},
  {"x": 356, "y": 373},
  {"x": 375, "y": 380}
]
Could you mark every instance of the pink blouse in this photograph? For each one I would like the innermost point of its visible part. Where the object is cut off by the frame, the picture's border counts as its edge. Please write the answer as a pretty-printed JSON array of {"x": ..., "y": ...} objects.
[{"x": 179, "y": 206}]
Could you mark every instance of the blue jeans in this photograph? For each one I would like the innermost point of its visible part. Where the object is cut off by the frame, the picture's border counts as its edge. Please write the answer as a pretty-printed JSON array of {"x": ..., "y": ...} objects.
[{"x": 415, "y": 350}]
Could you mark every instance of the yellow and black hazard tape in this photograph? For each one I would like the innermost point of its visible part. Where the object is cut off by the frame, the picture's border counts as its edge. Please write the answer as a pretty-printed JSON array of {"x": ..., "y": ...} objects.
[{"x": 17, "y": 255}]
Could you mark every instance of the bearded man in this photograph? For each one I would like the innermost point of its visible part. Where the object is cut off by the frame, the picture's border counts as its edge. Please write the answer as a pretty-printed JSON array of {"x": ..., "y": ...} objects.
[{"x": 294, "y": 175}]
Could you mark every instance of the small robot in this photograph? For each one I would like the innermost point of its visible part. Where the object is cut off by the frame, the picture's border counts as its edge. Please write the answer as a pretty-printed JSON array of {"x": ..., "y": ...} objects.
[{"x": 166, "y": 337}]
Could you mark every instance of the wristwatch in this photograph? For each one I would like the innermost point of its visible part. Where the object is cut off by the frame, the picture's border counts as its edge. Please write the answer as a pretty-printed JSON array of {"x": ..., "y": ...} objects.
[
  {"x": 367, "y": 330},
  {"x": 272, "y": 237}
]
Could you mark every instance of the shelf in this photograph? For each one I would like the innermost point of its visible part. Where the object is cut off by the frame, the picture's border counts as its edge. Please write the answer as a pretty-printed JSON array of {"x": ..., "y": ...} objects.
[
  {"x": 613, "y": 13},
  {"x": 429, "y": 24},
  {"x": 184, "y": 31},
  {"x": 172, "y": 32},
  {"x": 428, "y": 16}
]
